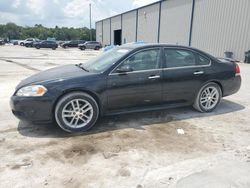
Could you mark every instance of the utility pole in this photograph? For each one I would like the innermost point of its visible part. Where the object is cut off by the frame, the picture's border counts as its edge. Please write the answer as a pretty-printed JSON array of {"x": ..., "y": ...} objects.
[{"x": 90, "y": 32}]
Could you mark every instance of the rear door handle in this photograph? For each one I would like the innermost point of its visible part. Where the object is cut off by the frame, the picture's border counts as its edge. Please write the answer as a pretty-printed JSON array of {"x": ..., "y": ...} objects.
[
  {"x": 154, "y": 77},
  {"x": 198, "y": 72}
]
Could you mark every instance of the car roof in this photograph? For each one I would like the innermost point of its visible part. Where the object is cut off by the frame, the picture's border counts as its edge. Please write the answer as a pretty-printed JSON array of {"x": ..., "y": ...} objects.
[
  {"x": 134, "y": 46},
  {"x": 144, "y": 45}
]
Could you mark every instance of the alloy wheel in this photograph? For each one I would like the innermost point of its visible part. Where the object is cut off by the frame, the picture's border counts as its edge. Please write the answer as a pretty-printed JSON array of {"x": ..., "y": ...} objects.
[
  {"x": 209, "y": 97},
  {"x": 77, "y": 113}
]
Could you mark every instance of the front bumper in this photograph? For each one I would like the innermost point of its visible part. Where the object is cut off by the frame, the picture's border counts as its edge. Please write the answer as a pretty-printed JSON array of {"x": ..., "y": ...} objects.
[{"x": 37, "y": 109}]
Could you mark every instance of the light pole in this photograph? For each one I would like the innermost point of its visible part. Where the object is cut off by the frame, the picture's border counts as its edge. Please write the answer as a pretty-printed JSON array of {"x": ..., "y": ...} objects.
[{"x": 90, "y": 32}]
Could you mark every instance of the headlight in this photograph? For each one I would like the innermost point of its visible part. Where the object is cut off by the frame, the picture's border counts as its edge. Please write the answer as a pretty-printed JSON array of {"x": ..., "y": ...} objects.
[{"x": 32, "y": 91}]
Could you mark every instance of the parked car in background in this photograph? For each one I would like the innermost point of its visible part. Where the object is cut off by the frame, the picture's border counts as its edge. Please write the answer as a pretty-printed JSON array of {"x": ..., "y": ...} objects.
[
  {"x": 2, "y": 42},
  {"x": 72, "y": 43},
  {"x": 129, "y": 78},
  {"x": 46, "y": 44},
  {"x": 28, "y": 42},
  {"x": 90, "y": 45},
  {"x": 14, "y": 42}
]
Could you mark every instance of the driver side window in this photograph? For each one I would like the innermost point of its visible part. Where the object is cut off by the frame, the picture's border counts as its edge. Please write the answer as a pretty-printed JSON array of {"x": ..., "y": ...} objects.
[{"x": 144, "y": 60}]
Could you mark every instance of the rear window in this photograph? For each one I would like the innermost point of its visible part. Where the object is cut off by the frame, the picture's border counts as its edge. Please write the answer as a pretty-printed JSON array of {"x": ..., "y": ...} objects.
[{"x": 201, "y": 60}]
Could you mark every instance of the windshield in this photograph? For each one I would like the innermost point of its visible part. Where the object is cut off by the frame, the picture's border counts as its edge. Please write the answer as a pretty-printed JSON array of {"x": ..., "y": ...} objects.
[{"x": 105, "y": 60}]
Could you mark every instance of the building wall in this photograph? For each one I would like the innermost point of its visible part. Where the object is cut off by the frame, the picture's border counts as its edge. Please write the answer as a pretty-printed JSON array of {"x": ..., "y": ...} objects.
[
  {"x": 106, "y": 32},
  {"x": 115, "y": 25},
  {"x": 220, "y": 26},
  {"x": 129, "y": 27},
  {"x": 99, "y": 31},
  {"x": 175, "y": 21},
  {"x": 148, "y": 20}
]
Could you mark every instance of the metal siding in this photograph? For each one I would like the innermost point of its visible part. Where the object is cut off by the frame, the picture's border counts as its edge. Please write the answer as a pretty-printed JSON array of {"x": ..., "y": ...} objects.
[
  {"x": 148, "y": 23},
  {"x": 115, "y": 25},
  {"x": 175, "y": 21},
  {"x": 106, "y": 32},
  {"x": 99, "y": 31},
  {"x": 129, "y": 27},
  {"x": 221, "y": 26}
]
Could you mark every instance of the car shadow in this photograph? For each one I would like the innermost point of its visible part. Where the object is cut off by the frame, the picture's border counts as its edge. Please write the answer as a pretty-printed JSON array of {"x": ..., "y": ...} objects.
[{"x": 134, "y": 121}]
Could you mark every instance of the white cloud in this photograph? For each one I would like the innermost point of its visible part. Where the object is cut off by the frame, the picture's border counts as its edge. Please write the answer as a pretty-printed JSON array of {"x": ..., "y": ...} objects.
[
  {"x": 69, "y": 13},
  {"x": 37, "y": 7},
  {"x": 8, "y": 17},
  {"x": 139, "y": 3},
  {"x": 16, "y": 3},
  {"x": 76, "y": 8}
]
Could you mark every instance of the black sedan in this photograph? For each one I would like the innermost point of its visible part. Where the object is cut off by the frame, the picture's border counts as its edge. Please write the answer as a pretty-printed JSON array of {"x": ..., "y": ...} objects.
[
  {"x": 46, "y": 44},
  {"x": 73, "y": 43},
  {"x": 129, "y": 78}
]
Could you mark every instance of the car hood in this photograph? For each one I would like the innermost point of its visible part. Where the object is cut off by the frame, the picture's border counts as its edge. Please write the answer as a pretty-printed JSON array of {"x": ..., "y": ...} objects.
[{"x": 62, "y": 72}]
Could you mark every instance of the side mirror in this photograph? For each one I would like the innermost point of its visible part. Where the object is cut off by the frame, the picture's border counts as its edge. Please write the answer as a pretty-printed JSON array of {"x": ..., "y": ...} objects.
[{"x": 124, "y": 69}]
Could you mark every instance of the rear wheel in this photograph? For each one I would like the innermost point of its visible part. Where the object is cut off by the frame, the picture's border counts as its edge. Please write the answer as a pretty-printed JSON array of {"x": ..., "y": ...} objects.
[
  {"x": 208, "y": 98},
  {"x": 37, "y": 47},
  {"x": 76, "y": 112},
  {"x": 53, "y": 48},
  {"x": 97, "y": 48},
  {"x": 83, "y": 48}
]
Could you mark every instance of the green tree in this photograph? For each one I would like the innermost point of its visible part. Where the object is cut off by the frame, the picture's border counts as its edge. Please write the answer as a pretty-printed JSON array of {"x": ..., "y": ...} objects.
[{"x": 13, "y": 31}]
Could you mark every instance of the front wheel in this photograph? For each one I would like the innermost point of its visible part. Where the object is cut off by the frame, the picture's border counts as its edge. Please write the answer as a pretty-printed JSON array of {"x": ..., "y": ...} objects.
[
  {"x": 76, "y": 112},
  {"x": 208, "y": 98}
]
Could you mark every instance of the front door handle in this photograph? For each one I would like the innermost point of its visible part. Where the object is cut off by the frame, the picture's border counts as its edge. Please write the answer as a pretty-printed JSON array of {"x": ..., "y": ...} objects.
[
  {"x": 198, "y": 72},
  {"x": 154, "y": 77}
]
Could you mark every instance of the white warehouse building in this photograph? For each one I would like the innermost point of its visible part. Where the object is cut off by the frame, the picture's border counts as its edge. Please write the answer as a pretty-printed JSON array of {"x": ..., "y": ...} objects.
[{"x": 214, "y": 26}]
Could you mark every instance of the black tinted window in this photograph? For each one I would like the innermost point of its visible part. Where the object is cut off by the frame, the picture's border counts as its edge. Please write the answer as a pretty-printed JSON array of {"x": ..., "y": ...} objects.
[
  {"x": 144, "y": 60},
  {"x": 179, "y": 58},
  {"x": 201, "y": 60}
]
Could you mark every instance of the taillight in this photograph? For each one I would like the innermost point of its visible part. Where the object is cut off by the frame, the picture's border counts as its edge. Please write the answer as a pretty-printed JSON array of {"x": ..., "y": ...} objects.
[{"x": 237, "y": 70}]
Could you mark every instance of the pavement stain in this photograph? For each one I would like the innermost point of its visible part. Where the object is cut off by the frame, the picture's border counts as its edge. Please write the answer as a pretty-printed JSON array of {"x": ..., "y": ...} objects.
[{"x": 156, "y": 138}]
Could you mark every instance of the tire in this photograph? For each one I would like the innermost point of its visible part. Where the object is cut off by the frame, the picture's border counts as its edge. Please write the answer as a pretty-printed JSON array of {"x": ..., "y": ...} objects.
[
  {"x": 204, "y": 97},
  {"x": 37, "y": 47},
  {"x": 97, "y": 48},
  {"x": 64, "y": 106},
  {"x": 54, "y": 48},
  {"x": 83, "y": 48},
  {"x": 21, "y": 44}
]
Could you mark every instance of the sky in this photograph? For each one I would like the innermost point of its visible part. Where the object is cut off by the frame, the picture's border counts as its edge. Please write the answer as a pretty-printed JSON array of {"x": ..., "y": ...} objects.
[{"x": 68, "y": 13}]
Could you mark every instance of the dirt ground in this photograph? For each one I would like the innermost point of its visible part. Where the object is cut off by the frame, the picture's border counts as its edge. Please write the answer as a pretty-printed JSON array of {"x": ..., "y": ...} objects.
[{"x": 137, "y": 150}]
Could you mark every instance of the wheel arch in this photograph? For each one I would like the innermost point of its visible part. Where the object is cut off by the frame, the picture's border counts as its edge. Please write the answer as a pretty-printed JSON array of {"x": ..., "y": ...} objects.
[
  {"x": 92, "y": 94},
  {"x": 219, "y": 84},
  {"x": 216, "y": 82}
]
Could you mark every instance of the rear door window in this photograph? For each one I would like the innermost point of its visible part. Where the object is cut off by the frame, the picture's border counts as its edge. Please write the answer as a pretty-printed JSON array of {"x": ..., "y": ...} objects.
[
  {"x": 179, "y": 58},
  {"x": 202, "y": 60}
]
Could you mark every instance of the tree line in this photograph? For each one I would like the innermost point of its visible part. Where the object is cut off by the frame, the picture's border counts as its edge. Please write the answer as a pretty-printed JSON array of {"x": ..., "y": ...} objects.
[{"x": 11, "y": 31}]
